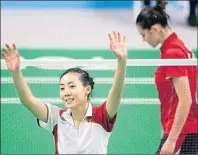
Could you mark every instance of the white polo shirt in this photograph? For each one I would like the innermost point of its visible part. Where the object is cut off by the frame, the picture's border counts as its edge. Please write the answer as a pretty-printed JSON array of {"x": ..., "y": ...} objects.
[{"x": 91, "y": 137}]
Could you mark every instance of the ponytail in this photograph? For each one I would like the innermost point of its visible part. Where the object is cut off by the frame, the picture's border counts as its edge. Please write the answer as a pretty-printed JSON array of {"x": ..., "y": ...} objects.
[
  {"x": 160, "y": 5},
  {"x": 150, "y": 16}
]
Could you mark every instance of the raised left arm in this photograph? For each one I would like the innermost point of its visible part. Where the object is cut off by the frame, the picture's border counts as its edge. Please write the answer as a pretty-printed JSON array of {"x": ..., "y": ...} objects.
[{"x": 117, "y": 45}]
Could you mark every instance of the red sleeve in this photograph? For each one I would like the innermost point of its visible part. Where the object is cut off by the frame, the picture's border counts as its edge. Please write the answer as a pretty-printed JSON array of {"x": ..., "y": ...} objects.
[
  {"x": 175, "y": 71},
  {"x": 101, "y": 117}
]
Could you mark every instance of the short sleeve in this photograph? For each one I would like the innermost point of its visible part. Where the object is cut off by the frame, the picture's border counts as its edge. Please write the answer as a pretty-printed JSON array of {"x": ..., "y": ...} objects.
[
  {"x": 53, "y": 114},
  {"x": 101, "y": 117},
  {"x": 175, "y": 71}
]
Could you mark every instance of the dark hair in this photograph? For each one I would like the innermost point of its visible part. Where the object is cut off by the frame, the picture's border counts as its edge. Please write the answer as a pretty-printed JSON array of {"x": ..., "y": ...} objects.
[
  {"x": 84, "y": 77},
  {"x": 153, "y": 15}
]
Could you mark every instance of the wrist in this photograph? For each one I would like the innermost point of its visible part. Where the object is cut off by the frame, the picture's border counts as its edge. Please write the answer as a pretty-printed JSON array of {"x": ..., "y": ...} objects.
[
  {"x": 16, "y": 72},
  {"x": 120, "y": 59}
]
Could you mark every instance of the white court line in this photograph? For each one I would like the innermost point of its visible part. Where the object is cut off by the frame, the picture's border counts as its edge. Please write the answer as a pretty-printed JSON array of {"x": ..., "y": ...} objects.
[
  {"x": 94, "y": 100},
  {"x": 96, "y": 64},
  {"x": 98, "y": 80}
]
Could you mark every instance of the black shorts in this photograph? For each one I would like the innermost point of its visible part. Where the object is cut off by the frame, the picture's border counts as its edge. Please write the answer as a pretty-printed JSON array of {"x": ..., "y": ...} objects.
[{"x": 186, "y": 144}]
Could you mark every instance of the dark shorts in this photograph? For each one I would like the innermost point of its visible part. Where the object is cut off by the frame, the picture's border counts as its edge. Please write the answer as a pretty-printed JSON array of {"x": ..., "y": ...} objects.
[{"x": 186, "y": 144}]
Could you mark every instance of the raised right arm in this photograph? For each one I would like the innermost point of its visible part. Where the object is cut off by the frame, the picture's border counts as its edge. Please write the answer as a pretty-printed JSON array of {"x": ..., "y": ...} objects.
[{"x": 12, "y": 60}]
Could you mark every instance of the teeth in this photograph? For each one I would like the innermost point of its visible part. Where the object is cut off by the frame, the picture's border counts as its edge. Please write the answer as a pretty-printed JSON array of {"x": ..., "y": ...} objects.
[{"x": 69, "y": 100}]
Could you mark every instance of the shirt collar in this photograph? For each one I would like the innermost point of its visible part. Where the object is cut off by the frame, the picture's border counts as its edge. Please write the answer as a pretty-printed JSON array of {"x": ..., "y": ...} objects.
[
  {"x": 167, "y": 41},
  {"x": 89, "y": 110},
  {"x": 67, "y": 114}
]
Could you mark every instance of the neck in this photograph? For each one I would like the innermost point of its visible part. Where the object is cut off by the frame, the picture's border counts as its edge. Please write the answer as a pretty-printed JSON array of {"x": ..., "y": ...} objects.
[
  {"x": 165, "y": 33},
  {"x": 79, "y": 113}
]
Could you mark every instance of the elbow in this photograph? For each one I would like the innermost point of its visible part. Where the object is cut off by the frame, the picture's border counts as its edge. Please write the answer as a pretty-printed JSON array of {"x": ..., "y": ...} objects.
[{"x": 189, "y": 100}]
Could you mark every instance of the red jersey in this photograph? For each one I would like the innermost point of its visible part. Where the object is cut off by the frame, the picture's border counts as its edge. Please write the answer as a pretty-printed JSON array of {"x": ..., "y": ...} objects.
[{"x": 174, "y": 48}]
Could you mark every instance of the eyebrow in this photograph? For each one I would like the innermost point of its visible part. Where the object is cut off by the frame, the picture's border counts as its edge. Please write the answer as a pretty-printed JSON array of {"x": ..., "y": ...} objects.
[{"x": 67, "y": 83}]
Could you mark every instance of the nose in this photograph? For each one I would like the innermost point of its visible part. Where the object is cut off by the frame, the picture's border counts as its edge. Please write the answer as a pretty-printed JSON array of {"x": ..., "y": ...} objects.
[{"x": 67, "y": 93}]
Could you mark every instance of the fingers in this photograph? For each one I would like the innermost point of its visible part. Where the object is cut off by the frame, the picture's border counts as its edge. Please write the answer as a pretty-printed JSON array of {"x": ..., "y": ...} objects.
[
  {"x": 110, "y": 37},
  {"x": 14, "y": 46},
  {"x": 115, "y": 37},
  {"x": 8, "y": 47},
  {"x": 7, "y": 51},
  {"x": 119, "y": 37},
  {"x": 4, "y": 53},
  {"x": 124, "y": 39}
]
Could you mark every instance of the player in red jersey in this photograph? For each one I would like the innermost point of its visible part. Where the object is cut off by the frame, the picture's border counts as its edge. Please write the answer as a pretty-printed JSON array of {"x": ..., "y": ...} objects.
[{"x": 176, "y": 85}]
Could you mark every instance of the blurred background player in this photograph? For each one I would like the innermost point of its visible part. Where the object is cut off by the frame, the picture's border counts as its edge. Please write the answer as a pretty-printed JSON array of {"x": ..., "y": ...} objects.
[
  {"x": 192, "y": 17},
  {"x": 176, "y": 85}
]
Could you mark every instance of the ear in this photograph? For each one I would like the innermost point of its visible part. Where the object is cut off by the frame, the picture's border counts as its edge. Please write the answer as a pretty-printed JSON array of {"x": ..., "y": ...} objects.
[
  {"x": 155, "y": 28},
  {"x": 88, "y": 89}
]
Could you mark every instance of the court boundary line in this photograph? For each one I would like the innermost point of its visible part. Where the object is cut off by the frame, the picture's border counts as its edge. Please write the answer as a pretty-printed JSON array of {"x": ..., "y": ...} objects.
[
  {"x": 97, "y": 80},
  {"x": 97, "y": 64},
  {"x": 131, "y": 101}
]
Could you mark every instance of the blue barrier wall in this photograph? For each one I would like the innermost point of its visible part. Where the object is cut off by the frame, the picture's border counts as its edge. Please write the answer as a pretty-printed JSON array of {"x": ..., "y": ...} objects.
[
  {"x": 180, "y": 5},
  {"x": 67, "y": 4}
]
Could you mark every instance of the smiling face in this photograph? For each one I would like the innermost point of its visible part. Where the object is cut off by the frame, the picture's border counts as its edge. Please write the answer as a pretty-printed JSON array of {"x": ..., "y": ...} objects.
[{"x": 72, "y": 91}]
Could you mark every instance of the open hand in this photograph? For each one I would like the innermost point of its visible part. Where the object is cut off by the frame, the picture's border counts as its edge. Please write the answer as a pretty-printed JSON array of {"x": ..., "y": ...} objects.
[
  {"x": 117, "y": 45},
  {"x": 11, "y": 57}
]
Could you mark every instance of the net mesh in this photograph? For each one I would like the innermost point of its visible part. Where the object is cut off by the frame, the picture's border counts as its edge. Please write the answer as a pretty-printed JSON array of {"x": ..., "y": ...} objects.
[{"x": 43, "y": 75}]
